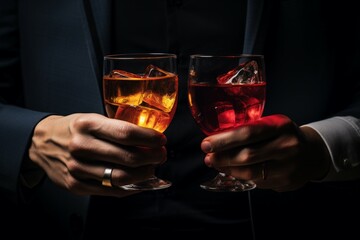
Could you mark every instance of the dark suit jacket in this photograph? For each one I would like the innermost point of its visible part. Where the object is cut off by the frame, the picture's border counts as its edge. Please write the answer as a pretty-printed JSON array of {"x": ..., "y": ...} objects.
[{"x": 51, "y": 57}]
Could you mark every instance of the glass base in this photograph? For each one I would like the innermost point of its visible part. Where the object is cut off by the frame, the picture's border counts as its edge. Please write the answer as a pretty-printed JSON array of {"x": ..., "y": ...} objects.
[
  {"x": 153, "y": 183},
  {"x": 226, "y": 183}
]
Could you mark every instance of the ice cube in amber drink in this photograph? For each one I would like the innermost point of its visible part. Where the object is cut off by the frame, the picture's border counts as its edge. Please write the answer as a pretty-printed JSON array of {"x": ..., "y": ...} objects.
[{"x": 147, "y": 99}]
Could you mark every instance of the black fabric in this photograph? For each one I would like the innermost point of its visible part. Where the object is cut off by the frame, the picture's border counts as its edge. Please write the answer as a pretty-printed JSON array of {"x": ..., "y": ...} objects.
[{"x": 166, "y": 212}]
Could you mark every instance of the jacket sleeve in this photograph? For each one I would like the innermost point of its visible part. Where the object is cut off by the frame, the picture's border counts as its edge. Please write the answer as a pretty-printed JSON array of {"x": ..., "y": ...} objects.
[
  {"x": 16, "y": 128},
  {"x": 16, "y": 123}
]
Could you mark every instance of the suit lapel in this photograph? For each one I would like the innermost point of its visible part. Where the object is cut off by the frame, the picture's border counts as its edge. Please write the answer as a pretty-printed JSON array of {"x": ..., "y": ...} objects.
[
  {"x": 102, "y": 15},
  {"x": 253, "y": 36},
  {"x": 97, "y": 29},
  {"x": 97, "y": 25}
]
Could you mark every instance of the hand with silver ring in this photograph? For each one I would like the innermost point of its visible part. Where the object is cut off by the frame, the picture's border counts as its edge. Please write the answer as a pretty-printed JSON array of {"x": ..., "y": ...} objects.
[{"x": 97, "y": 155}]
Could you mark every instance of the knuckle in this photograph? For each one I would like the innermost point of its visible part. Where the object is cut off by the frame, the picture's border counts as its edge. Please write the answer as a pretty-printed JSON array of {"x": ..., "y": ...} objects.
[
  {"x": 292, "y": 144},
  {"x": 75, "y": 144},
  {"x": 83, "y": 122},
  {"x": 80, "y": 143},
  {"x": 245, "y": 155},
  {"x": 283, "y": 118},
  {"x": 245, "y": 132},
  {"x": 126, "y": 131},
  {"x": 74, "y": 167},
  {"x": 80, "y": 122},
  {"x": 130, "y": 160}
]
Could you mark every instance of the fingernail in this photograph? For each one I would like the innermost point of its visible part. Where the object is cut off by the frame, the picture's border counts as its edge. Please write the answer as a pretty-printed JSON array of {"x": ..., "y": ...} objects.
[
  {"x": 207, "y": 160},
  {"x": 206, "y": 146}
]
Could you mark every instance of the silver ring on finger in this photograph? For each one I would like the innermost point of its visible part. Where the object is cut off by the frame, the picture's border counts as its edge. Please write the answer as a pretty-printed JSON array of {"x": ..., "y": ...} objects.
[{"x": 106, "y": 180}]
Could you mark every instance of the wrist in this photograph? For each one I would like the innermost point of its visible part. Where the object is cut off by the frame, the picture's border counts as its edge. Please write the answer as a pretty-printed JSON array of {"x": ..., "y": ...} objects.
[{"x": 316, "y": 153}]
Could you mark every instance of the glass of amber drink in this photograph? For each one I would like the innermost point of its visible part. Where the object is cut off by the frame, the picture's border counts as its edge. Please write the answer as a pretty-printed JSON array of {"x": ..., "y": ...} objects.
[{"x": 141, "y": 88}]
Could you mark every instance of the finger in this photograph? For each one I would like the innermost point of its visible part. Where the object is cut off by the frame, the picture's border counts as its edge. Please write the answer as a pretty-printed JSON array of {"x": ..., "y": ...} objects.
[
  {"x": 283, "y": 147},
  {"x": 120, "y": 175},
  {"x": 131, "y": 156},
  {"x": 131, "y": 134},
  {"x": 236, "y": 157},
  {"x": 118, "y": 131},
  {"x": 269, "y": 174},
  {"x": 257, "y": 131},
  {"x": 124, "y": 176},
  {"x": 250, "y": 172},
  {"x": 80, "y": 187}
]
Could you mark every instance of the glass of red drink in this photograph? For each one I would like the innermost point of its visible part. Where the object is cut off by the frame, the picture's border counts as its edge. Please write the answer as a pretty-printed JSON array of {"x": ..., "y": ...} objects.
[{"x": 225, "y": 92}]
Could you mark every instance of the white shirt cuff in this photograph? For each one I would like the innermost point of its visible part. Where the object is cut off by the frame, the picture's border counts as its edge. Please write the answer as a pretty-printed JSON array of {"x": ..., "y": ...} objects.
[{"x": 342, "y": 138}]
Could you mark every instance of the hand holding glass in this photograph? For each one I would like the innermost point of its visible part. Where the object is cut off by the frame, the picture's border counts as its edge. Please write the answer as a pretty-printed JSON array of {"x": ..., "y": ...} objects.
[
  {"x": 141, "y": 89},
  {"x": 226, "y": 92}
]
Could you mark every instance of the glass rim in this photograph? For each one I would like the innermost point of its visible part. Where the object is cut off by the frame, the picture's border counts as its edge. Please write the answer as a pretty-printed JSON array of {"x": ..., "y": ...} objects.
[
  {"x": 129, "y": 56},
  {"x": 226, "y": 56}
]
